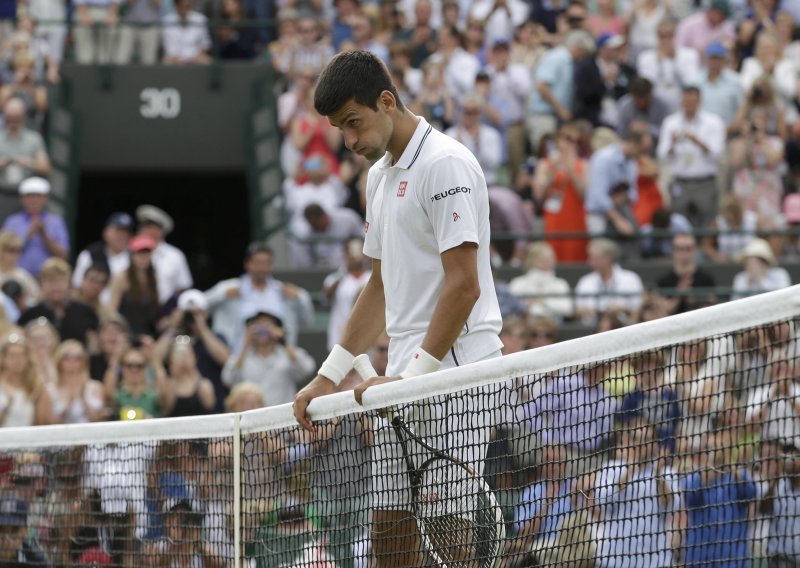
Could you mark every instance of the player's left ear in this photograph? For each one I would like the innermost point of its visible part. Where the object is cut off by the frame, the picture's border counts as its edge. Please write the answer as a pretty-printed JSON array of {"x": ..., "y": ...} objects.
[{"x": 387, "y": 100}]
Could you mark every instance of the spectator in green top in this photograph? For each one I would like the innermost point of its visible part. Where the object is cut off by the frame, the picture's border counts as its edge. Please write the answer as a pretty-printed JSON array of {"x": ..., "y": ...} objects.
[{"x": 134, "y": 397}]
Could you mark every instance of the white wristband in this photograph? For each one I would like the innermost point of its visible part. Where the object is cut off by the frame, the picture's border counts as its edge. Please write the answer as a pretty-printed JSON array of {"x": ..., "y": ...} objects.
[
  {"x": 337, "y": 365},
  {"x": 421, "y": 363}
]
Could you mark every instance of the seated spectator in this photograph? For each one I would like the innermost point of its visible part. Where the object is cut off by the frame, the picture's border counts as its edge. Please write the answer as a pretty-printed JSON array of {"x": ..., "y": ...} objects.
[
  {"x": 605, "y": 20},
  {"x": 363, "y": 39},
  {"x": 343, "y": 287},
  {"x": 314, "y": 184},
  {"x": 172, "y": 269},
  {"x": 515, "y": 335},
  {"x": 95, "y": 280},
  {"x": 642, "y": 20},
  {"x": 10, "y": 252},
  {"x": 761, "y": 271},
  {"x": 329, "y": 230},
  {"x": 314, "y": 137},
  {"x": 769, "y": 62},
  {"x": 685, "y": 275},
  {"x": 460, "y": 67},
  {"x": 113, "y": 339},
  {"x": 77, "y": 399},
  {"x": 18, "y": 549},
  {"x": 27, "y": 89},
  {"x": 72, "y": 319},
  {"x": 190, "y": 394},
  {"x": 791, "y": 214},
  {"x": 642, "y": 103},
  {"x": 721, "y": 90},
  {"x": 190, "y": 319},
  {"x": 134, "y": 293},
  {"x": 510, "y": 304},
  {"x": 44, "y": 339},
  {"x": 559, "y": 185},
  {"x": 543, "y": 331},
  {"x": 707, "y": 26},
  {"x": 24, "y": 400},
  {"x": 127, "y": 387},
  {"x": 138, "y": 36},
  {"x": 257, "y": 288},
  {"x": 543, "y": 292},
  {"x": 243, "y": 397},
  {"x": 509, "y": 213},
  {"x": 482, "y": 140},
  {"x": 111, "y": 251},
  {"x": 44, "y": 233},
  {"x": 235, "y": 42},
  {"x": 621, "y": 224},
  {"x": 608, "y": 285},
  {"x": 278, "y": 368},
  {"x": 309, "y": 52},
  {"x": 736, "y": 228},
  {"x": 648, "y": 193},
  {"x": 763, "y": 107},
  {"x": 22, "y": 154},
  {"x": 184, "y": 36},
  {"x": 434, "y": 101}
]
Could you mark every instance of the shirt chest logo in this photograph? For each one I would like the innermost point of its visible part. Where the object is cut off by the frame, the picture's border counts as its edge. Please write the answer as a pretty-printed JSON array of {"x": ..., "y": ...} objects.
[{"x": 401, "y": 190}]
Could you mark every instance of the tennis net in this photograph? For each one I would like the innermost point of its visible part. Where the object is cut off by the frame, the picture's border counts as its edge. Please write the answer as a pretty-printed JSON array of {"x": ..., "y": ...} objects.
[{"x": 674, "y": 442}]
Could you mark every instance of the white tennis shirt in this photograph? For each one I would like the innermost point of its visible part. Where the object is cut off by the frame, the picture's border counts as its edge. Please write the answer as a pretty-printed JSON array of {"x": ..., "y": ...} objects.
[{"x": 433, "y": 199}]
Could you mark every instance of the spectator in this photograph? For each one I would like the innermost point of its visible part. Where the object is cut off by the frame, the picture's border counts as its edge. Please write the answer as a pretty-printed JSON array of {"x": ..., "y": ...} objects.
[
  {"x": 400, "y": 63},
  {"x": 685, "y": 276},
  {"x": 668, "y": 67},
  {"x": 329, "y": 230},
  {"x": 76, "y": 398},
  {"x": 309, "y": 53},
  {"x": 591, "y": 96},
  {"x": 608, "y": 286},
  {"x": 22, "y": 154},
  {"x": 95, "y": 280},
  {"x": 605, "y": 20},
  {"x": 769, "y": 61},
  {"x": 643, "y": 21},
  {"x": 691, "y": 144},
  {"x": 705, "y": 27},
  {"x": 24, "y": 400},
  {"x": 316, "y": 184},
  {"x": 18, "y": 549},
  {"x": 97, "y": 32},
  {"x": 641, "y": 103},
  {"x": 111, "y": 252},
  {"x": 10, "y": 251},
  {"x": 44, "y": 233},
  {"x": 648, "y": 193},
  {"x": 773, "y": 407},
  {"x": 420, "y": 36},
  {"x": 554, "y": 88},
  {"x": 616, "y": 73},
  {"x": 257, "y": 289},
  {"x": 138, "y": 37},
  {"x": 543, "y": 292},
  {"x": 559, "y": 185},
  {"x": 26, "y": 88},
  {"x": 621, "y": 224},
  {"x": 435, "y": 102},
  {"x": 190, "y": 319},
  {"x": 243, "y": 397},
  {"x": 721, "y": 91},
  {"x": 543, "y": 331},
  {"x": 239, "y": 42},
  {"x": 515, "y": 335},
  {"x": 783, "y": 546},
  {"x": 172, "y": 269},
  {"x": 510, "y": 304},
  {"x": 50, "y": 31},
  {"x": 134, "y": 293},
  {"x": 44, "y": 339},
  {"x": 736, "y": 228},
  {"x": 190, "y": 394},
  {"x": 362, "y": 36},
  {"x": 184, "y": 36},
  {"x": 134, "y": 398},
  {"x": 342, "y": 288},
  {"x": 509, "y": 213},
  {"x": 761, "y": 271},
  {"x": 609, "y": 166},
  {"x": 72, "y": 319},
  {"x": 483, "y": 141},
  {"x": 113, "y": 340},
  {"x": 313, "y": 136},
  {"x": 278, "y": 368},
  {"x": 500, "y": 19},
  {"x": 548, "y": 15}
]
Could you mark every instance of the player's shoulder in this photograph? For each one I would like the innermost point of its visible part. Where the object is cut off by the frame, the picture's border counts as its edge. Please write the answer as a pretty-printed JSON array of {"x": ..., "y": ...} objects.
[{"x": 443, "y": 150}]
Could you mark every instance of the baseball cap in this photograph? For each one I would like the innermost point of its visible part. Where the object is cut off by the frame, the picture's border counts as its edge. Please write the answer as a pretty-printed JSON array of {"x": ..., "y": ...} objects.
[
  {"x": 716, "y": 49},
  {"x": 791, "y": 208},
  {"x": 141, "y": 242},
  {"x": 501, "y": 42},
  {"x": 722, "y": 6},
  {"x": 258, "y": 312},
  {"x": 156, "y": 216},
  {"x": 192, "y": 299},
  {"x": 121, "y": 220},
  {"x": 34, "y": 185},
  {"x": 610, "y": 40}
]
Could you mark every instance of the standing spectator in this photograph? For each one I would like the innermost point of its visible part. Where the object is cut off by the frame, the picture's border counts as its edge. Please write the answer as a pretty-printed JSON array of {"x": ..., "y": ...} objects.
[
  {"x": 97, "y": 32},
  {"x": 110, "y": 252},
  {"x": 138, "y": 34},
  {"x": 559, "y": 185},
  {"x": 685, "y": 275},
  {"x": 184, "y": 36},
  {"x": 128, "y": 389},
  {"x": 44, "y": 233},
  {"x": 643, "y": 20},
  {"x": 49, "y": 17},
  {"x": 482, "y": 140},
  {"x": 24, "y": 400},
  {"x": 22, "y": 154},
  {"x": 761, "y": 99},
  {"x": 113, "y": 339},
  {"x": 72, "y": 319},
  {"x": 308, "y": 54},
  {"x": 10, "y": 253},
  {"x": 500, "y": 18},
  {"x": 77, "y": 399},
  {"x": 342, "y": 288},
  {"x": 609, "y": 166},
  {"x": 691, "y": 144},
  {"x": 421, "y": 36},
  {"x": 720, "y": 88},
  {"x": 460, "y": 67},
  {"x": 761, "y": 271},
  {"x": 172, "y": 269},
  {"x": 608, "y": 286},
  {"x": 605, "y": 20},
  {"x": 706, "y": 27},
  {"x": 134, "y": 293},
  {"x": 257, "y": 289},
  {"x": 26, "y": 88},
  {"x": 543, "y": 292},
  {"x": 554, "y": 88},
  {"x": 329, "y": 230},
  {"x": 435, "y": 102},
  {"x": 190, "y": 394},
  {"x": 642, "y": 103},
  {"x": 238, "y": 42},
  {"x": 278, "y": 368}
]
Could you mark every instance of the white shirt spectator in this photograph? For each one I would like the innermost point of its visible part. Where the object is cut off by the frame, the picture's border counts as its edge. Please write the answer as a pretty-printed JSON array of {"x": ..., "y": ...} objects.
[
  {"x": 460, "y": 71},
  {"x": 487, "y": 147},
  {"x": 669, "y": 75},
  {"x": 279, "y": 375},
  {"x": 513, "y": 87},
  {"x": 343, "y": 224},
  {"x": 782, "y": 422},
  {"x": 500, "y": 23},
  {"x": 775, "y": 279},
  {"x": 185, "y": 41},
  {"x": 623, "y": 290},
  {"x": 329, "y": 195},
  {"x": 551, "y": 294},
  {"x": 172, "y": 271},
  {"x": 116, "y": 262},
  {"x": 347, "y": 291},
  {"x": 689, "y": 160}
]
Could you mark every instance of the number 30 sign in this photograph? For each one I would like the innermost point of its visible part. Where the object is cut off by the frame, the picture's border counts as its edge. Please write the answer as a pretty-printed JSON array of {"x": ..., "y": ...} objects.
[{"x": 160, "y": 103}]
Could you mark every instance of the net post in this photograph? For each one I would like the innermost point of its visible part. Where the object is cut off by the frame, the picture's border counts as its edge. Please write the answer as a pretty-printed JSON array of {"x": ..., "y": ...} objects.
[{"x": 237, "y": 492}]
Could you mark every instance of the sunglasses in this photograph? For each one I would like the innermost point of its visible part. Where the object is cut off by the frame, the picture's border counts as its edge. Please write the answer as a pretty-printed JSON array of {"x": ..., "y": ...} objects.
[{"x": 138, "y": 366}]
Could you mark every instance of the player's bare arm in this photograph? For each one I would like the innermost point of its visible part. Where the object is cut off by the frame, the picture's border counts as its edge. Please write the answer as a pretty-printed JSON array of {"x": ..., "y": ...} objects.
[{"x": 367, "y": 321}]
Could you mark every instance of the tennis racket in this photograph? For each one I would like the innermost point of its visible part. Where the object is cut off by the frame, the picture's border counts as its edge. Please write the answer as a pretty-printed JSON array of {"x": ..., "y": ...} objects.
[{"x": 452, "y": 533}]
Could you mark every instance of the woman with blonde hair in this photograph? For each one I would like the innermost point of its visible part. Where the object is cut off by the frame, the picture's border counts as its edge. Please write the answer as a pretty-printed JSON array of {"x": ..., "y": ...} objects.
[
  {"x": 77, "y": 399},
  {"x": 43, "y": 338},
  {"x": 10, "y": 251},
  {"x": 23, "y": 399},
  {"x": 244, "y": 396}
]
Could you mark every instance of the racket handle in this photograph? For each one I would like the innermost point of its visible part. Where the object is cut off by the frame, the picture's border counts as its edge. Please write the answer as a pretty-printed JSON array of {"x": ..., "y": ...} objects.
[{"x": 364, "y": 367}]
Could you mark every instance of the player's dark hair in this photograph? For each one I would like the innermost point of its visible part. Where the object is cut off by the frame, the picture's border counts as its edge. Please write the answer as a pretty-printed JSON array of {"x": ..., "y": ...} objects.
[{"x": 353, "y": 75}]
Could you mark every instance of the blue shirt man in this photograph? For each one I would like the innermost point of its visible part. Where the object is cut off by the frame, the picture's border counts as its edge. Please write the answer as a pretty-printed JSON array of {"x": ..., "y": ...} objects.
[
  {"x": 609, "y": 167},
  {"x": 721, "y": 90}
]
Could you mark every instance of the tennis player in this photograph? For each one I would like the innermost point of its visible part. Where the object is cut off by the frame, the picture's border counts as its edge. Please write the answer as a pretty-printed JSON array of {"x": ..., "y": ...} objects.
[{"x": 427, "y": 232}]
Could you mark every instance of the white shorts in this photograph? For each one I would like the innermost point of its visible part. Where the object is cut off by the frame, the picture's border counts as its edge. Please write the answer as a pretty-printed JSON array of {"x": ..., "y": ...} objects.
[{"x": 459, "y": 424}]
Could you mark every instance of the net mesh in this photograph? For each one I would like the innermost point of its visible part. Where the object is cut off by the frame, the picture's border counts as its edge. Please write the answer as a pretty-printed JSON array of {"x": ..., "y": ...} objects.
[{"x": 682, "y": 454}]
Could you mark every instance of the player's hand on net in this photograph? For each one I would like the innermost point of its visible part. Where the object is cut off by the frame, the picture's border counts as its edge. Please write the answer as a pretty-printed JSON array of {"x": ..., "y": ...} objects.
[
  {"x": 361, "y": 387},
  {"x": 320, "y": 386}
]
